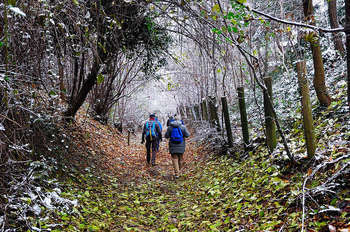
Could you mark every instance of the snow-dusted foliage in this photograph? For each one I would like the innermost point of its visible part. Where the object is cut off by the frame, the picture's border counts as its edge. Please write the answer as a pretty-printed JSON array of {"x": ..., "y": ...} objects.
[{"x": 32, "y": 196}]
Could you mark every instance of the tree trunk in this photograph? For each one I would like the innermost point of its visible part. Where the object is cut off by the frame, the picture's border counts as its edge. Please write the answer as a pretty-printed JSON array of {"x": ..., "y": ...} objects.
[
  {"x": 227, "y": 121},
  {"x": 204, "y": 110},
  {"x": 243, "y": 113},
  {"x": 188, "y": 113},
  {"x": 270, "y": 125},
  {"x": 75, "y": 79},
  {"x": 306, "y": 109},
  {"x": 197, "y": 113},
  {"x": 333, "y": 19},
  {"x": 319, "y": 76},
  {"x": 347, "y": 34},
  {"x": 6, "y": 39},
  {"x": 61, "y": 77},
  {"x": 182, "y": 111},
  {"x": 87, "y": 86},
  {"x": 213, "y": 112},
  {"x": 3, "y": 91}
]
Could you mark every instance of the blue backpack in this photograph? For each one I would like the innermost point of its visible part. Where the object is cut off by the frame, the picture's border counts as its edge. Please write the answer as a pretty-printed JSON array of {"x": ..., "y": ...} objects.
[
  {"x": 160, "y": 125},
  {"x": 176, "y": 135},
  {"x": 151, "y": 131}
]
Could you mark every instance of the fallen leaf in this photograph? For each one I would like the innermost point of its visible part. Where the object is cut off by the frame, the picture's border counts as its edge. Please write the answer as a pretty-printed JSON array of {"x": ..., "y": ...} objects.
[{"x": 332, "y": 228}]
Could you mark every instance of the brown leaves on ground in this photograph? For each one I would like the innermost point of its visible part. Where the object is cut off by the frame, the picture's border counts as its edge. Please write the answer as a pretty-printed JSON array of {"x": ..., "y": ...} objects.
[{"x": 113, "y": 156}]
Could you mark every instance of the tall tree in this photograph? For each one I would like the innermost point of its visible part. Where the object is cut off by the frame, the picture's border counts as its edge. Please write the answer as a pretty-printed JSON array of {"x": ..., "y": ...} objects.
[
  {"x": 306, "y": 109},
  {"x": 132, "y": 29},
  {"x": 319, "y": 76},
  {"x": 333, "y": 19},
  {"x": 347, "y": 35}
]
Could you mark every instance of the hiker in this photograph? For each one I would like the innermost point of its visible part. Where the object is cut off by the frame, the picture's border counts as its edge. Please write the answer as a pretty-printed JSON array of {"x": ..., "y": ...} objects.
[
  {"x": 161, "y": 128},
  {"x": 152, "y": 133},
  {"x": 170, "y": 119},
  {"x": 177, "y": 132}
]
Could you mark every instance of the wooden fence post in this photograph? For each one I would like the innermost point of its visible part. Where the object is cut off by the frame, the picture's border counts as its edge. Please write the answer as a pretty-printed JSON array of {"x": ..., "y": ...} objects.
[
  {"x": 197, "y": 113},
  {"x": 227, "y": 121},
  {"x": 204, "y": 110},
  {"x": 270, "y": 125},
  {"x": 213, "y": 112},
  {"x": 243, "y": 113},
  {"x": 306, "y": 109},
  {"x": 128, "y": 137}
]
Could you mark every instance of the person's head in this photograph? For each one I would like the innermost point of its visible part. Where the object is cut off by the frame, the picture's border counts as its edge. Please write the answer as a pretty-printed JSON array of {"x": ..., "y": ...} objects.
[
  {"x": 175, "y": 117},
  {"x": 155, "y": 116},
  {"x": 152, "y": 116}
]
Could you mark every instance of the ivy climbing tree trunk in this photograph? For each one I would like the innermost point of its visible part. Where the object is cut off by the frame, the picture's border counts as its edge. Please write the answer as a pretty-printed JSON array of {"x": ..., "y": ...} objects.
[
  {"x": 333, "y": 19},
  {"x": 319, "y": 76},
  {"x": 270, "y": 125},
  {"x": 61, "y": 77},
  {"x": 243, "y": 113},
  {"x": 306, "y": 109},
  {"x": 227, "y": 121}
]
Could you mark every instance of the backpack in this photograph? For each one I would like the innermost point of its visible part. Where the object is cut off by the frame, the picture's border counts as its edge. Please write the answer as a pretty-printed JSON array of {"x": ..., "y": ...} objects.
[
  {"x": 160, "y": 125},
  {"x": 176, "y": 135},
  {"x": 151, "y": 130}
]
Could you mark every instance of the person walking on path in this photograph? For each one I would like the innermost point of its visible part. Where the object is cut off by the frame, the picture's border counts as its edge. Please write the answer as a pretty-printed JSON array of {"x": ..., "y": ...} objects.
[
  {"x": 161, "y": 129},
  {"x": 152, "y": 134},
  {"x": 170, "y": 119},
  {"x": 177, "y": 132}
]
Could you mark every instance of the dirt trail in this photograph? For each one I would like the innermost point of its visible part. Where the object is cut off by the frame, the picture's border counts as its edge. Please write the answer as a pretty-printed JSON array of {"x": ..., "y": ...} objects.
[{"x": 128, "y": 162}]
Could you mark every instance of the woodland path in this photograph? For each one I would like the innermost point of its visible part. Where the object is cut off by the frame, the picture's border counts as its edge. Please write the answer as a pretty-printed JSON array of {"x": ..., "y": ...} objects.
[
  {"x": 212, "y": 195},
  {"x": 129, "y": 161}
]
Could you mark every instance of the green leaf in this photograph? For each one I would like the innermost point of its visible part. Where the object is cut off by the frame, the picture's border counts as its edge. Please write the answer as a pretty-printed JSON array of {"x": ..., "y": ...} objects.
[
  {"x": 100, "y": 78},
  {"x": 12, "y": 2},
  {"x": 52, "y": 93},
  {"x": 93, "y": 228},
  {"x": 1, "y": 44},
  {"x": 216, "y": 9},
  {"x": 75, "y": 2}
]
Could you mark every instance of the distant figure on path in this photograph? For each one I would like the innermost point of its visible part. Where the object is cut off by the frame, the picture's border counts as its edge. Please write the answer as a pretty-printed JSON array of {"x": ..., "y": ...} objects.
[
  {"x": 152, "y": 133},
  {"x": 170, "y": 119},
  {"x": 161, "y": 129},
  {"x": 177, "y": 132}
]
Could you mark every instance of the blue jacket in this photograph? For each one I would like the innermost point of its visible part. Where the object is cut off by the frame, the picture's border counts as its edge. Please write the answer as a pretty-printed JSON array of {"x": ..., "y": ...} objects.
[
  {"x": 175, "y": 148},
  {"x": 160, "y": 125}
]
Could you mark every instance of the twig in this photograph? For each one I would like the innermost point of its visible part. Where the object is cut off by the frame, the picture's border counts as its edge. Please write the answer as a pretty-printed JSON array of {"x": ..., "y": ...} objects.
[
  {"x": 336, "y": 174},
  {"x": 282, "y": 227},
  {"x": 309, "y": 177},
  {"x": 298, "y": 24}
]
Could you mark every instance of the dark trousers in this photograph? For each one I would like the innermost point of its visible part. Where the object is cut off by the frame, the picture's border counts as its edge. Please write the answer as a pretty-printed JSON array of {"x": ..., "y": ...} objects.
[{"x": 151, "y": 145}]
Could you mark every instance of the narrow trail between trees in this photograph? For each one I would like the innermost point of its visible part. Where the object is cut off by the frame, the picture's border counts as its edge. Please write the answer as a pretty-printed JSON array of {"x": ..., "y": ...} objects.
[
  {"x": 128, "y": 162},
  {"x": 215, "y": 193}
]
